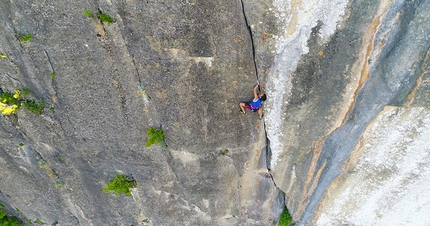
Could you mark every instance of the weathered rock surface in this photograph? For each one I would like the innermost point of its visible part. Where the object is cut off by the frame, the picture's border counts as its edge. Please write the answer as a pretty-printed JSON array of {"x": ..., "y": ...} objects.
[
  {"x": 338, "y": 65},
  {"x": 179, "y": 65},
  {"x": 347, "y": 115}
]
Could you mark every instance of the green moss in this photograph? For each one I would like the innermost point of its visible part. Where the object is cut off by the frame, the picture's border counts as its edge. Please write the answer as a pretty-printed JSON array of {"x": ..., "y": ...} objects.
[
  {"x": 52, "y": 74},
  {"x": 285, "y": 219},
  {"x": 88, "y": 13},
  {"x": 155, "y": 136},
  {"x": 21, "y": 144},
  {"x": 25, "y": 91},
  {"x": 25, "y": 37},
  {"x": 42, "y": 163},
  {"x": 105, "y": 18},
  {"x": 120, "y": 184},
  {"x": 7, "y": 220},
  {"x": 59, "y": 183},
  {"x": 38, "y": 221},
  {"x": 35, "y": 107},
  {"x": 225, "y": 152}
]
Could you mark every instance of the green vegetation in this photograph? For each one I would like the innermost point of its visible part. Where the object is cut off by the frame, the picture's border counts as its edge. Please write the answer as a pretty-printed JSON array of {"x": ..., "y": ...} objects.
[
  {"x": 285, "y": 219},
  {"x": 225, "y": 152},
  {"x": 25, "y": 91},
  {"x": 7, "y": 221},
  {"x": 21, "y": 144},
  {"x": 88, "y": 13},
  {"x": 38, "y": 221},
  {"x": 105, "y": 18},
  {"x": 121, "y": 183},
  {"x": 52, "y": 74},
  {"x": 59, "y": 183},
  {"x": 42, "y": 163},
  {"x": 143, "y": 91},
  {"x": 155, "y": 136},
  {"x": 25, "y": 37},
  {"x": 3, "y": 56},
  {"x": 10, "y": 102},
  {"x": 52, "y": 109},
  {"x": 34, "y": 107}
]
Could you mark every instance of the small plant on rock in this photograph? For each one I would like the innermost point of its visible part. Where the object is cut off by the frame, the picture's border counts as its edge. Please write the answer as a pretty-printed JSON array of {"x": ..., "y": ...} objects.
[
  {"x": 155, "y": 136},
  {"x": 6, "y": 220},
  {"x": 285, "y": 219},
  {"x": 120, "y": 184},
  {"x": 25, "y": 37},
  {"x": 88, "y": 13},
  {"x": 10, "y": 102},
  {"x": 225, "y": 152},
  {"x": 105, "y": 18},
  {"x": 35, "y": 107}
]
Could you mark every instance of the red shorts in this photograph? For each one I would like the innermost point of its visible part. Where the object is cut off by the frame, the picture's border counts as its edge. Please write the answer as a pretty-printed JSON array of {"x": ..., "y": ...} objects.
[{"x": 247, "y": 105}]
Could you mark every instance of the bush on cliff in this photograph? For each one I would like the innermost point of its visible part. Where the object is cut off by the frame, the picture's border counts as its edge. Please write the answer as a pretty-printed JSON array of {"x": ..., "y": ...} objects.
[
  {"x": 11, "y": 102},
  {"x": 155, "y": 136},
  {"x": 7, "y": 221},
  {"x": 120, "y": 184},
  {"x": 285, "y": 219}
]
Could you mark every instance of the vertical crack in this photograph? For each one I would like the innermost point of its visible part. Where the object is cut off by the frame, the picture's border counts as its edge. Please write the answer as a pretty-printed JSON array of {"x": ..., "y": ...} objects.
[
  {"x": 268, "y": 150},
  {"x": 250, "y": 36},
  {"x": 49, "y": 60}
]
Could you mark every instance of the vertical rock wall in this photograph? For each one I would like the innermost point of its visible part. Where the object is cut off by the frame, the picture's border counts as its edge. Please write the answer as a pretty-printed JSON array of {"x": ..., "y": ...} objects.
[
  {"x": 182, "y": 66},
  {"x": 346, "y": 118},
  {"x": 342, "y": 71}
]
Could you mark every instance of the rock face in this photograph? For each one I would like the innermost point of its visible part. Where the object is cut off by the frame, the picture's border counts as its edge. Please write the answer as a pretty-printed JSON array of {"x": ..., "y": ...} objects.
[
  {"x": 179, "y": 65},
  {"x": 346, "y": 118},
  {"x": 347, "y": 109}
]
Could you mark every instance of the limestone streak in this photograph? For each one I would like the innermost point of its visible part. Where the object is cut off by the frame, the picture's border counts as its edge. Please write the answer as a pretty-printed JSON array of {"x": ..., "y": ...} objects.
[
  {"x": 369, "y": 41},
  {"x": 310, "y": 177},
  {"x": 297, "y": 19},
  {"x": 365, "y": 73},
  {"x": 411, "y": 95}
]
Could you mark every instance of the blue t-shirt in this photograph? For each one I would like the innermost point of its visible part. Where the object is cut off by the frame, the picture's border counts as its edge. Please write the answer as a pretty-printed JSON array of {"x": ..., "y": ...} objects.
[{"x": 255, "y": 105}]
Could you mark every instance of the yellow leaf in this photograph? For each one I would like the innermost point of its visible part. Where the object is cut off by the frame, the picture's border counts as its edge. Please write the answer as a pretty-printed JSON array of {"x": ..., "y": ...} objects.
[{"x": 16, "y": 95}]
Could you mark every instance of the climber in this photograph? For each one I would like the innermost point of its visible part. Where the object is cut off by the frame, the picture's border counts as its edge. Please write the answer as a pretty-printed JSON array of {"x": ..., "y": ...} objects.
[{"x": 255, "y": 104}]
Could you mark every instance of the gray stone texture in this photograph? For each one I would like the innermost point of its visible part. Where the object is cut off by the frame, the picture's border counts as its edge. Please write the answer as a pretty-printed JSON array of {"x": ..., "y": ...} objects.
[
  {"x": 377, "y": 57},
  {"x": 179, "y": 65},
  {"x": 184, "y": 66}
]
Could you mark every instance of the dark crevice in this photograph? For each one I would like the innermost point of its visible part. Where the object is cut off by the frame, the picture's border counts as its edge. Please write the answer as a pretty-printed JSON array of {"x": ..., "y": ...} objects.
[
  {"x": 251, "y": 37},
  {"x": 49, "y": 60},
  {"x": 268, "y": 150},
  {"x": 268, "y": 156}
]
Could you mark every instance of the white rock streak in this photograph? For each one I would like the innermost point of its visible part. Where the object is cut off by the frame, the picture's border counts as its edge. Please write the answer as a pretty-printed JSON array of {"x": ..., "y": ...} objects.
[
  {"x": 390, "y": 184},
  {"x": 299, "y": 20}
]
